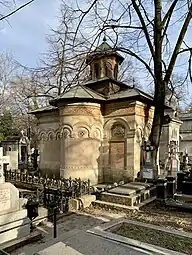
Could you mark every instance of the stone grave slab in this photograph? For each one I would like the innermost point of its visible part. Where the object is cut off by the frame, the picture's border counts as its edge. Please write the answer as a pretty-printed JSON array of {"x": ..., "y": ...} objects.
[
  {"x": 146, "y": 185},
  {"x": 59, "y": 249},
  {"x": 122, "y": 191},
  {"x": 135, "y": 187}
]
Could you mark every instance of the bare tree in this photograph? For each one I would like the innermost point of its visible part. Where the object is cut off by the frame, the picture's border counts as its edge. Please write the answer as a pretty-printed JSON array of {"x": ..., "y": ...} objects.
[
  {"x": 8, "y": 68},
  {"x": 24, "y": 94},
  {"x": 59, "y": 66},
  {"x": 144, "y": 30}
]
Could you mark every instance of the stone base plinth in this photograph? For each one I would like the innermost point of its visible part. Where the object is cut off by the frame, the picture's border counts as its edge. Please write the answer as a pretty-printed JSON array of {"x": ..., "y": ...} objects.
[
  {"x": 82, "y": 202},
  {"x": 14, "y": 225}
]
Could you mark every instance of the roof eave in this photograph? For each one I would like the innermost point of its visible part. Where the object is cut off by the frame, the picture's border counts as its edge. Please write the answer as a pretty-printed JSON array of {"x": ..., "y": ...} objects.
[{"x": 74, "y": 100}]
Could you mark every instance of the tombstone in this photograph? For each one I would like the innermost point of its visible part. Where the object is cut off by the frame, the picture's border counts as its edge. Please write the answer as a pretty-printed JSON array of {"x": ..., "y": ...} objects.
[
  {"x": 4, "y": 160},
  {"x": 171, "y": 186},
  {"x": 161, "y": 189},
  {"x": 12, "y": 215},
  {"x": 148, "y": 170},
  {"x": 175, "y": 165},
  {"x": 187, "y": 184},
  {"x": 172, "y": 162}
]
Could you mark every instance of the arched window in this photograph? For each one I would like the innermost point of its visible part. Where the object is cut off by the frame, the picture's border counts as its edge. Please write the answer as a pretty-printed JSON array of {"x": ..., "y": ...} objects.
[
  {"x": 117, "y": 149},
  {"x": 116, "y": 71},
  {"x": 108, "y": 69},
  {"x": 97, "y": 70}
]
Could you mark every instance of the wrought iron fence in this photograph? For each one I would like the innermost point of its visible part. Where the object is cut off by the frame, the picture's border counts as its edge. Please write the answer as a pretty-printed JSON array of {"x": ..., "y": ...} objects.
[{"x": 49, "y": 192}]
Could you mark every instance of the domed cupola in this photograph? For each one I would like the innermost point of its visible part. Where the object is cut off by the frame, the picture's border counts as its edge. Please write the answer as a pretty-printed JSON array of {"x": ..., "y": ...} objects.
[{"x": 104, "y": 62}]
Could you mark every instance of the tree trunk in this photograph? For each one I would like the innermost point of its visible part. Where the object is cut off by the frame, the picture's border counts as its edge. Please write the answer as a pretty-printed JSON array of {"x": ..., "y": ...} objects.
[{"x": 159, "y": 97}]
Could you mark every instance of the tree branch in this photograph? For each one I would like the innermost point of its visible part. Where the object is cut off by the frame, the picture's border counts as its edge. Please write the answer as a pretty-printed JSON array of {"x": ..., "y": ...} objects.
[
  {"x": 167, "y": 17},
  {"x": 121, "y": 26},
  {"x": 144, "y": 27},
  {"x": 83, "y": 16},
  {"x": 16, "y": 10},
  {"x": 169, "y": 13},
  {"x": 129, "y": 52},
  {"x": 184, "y": 50},
  {"x": 178, "y": 45}
]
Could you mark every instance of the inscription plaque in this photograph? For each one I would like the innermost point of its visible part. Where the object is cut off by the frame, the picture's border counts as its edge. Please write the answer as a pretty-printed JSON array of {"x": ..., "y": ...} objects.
[
  {"x": 5, "y": 199},
  {"x": 117, "y": 155}
]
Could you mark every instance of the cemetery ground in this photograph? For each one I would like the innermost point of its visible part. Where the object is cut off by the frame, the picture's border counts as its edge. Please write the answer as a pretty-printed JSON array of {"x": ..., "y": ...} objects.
[
  {"x": 154, "y": 213},
  {"x": 159, "y": 216}
]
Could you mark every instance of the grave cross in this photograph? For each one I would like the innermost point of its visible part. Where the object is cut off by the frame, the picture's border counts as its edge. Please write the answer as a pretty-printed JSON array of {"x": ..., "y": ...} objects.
[{"x": 172, "y": 146}]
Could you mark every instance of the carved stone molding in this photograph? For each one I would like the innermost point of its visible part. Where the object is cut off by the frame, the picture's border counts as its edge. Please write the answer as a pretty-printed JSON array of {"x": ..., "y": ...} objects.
[
  {"x": 84, "y": 111},
  {"x": 66, "y": 133},
  {"x": 50, "y": 136},
  {"x": 115, "y": 112}
]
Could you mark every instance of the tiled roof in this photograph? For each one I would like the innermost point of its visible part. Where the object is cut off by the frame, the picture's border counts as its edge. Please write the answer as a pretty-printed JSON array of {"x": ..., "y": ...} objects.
[
  {"x": 103, "y": 47},
  {"x": 44, "y": 109},
  {"x": 79, "y": 92},
  {"x": 130, "y": 92}
]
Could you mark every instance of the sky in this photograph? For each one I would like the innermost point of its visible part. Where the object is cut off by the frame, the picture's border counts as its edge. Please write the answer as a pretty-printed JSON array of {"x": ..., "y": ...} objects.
[{"x": 25, "y": 33}]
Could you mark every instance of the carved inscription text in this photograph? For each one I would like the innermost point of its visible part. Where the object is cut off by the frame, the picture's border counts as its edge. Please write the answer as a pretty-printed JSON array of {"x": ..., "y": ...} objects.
[{"x": 5, "y": 199}]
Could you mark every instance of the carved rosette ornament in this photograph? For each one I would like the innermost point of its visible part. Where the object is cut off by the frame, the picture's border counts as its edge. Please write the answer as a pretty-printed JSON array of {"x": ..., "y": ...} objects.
[
  {"x": 81, "y": 133},
  {"x": 118, "y": 131}
]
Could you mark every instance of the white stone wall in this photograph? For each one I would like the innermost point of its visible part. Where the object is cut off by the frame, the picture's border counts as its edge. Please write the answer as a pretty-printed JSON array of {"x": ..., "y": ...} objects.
[
  {"x": 131, "y": 115},
  {"x": 81, "y": 134},
  {"x": 49, "y": 143}
]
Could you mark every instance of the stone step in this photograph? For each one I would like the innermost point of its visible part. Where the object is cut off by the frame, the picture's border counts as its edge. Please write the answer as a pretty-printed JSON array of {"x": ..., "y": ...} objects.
[
  {"x": 12, "y": 245},
  {"x": 132, "y": 200}
]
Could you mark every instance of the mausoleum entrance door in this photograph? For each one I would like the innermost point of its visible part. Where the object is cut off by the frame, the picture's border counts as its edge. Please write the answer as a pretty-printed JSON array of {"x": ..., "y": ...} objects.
[{"x": 117, "y": 152}]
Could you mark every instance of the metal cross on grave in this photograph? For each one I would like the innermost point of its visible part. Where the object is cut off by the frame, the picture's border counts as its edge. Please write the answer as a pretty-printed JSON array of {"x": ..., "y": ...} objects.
[{"x": 173, "y": 151}]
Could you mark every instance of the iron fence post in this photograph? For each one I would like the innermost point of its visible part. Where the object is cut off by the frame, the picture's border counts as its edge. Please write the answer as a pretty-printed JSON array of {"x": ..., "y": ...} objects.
[{"x": 55, "y": 222}]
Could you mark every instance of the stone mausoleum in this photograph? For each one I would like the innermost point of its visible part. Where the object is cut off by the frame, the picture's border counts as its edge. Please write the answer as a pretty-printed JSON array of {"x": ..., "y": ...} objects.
[{"x": 95, "y": 130}]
